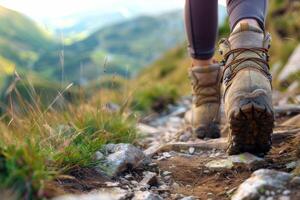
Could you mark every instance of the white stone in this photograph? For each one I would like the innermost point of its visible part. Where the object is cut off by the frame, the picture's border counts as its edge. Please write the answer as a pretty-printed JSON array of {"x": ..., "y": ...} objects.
[
  {"x": 118, "y": 157},
  {"x": 251, "y": 189},
  {"x": 146, "y": 195},
  {"x": 192, "y": 150},
  {"x": 102, "y": 194},
  {"x": 286, "y": 192},
  {"x": 246, "y": 159}
]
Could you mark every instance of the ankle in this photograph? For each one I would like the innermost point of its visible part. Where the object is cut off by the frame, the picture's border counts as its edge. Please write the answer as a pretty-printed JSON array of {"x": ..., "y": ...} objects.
[
  {"x": 251, "y": 22},
  {"x": 197, "y": 63}
]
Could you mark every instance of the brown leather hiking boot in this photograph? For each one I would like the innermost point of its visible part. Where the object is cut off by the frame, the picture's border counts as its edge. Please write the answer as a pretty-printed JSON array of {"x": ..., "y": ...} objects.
[
  {"x": 204, "y": 115},
  {"x": 247, "y": 90}
]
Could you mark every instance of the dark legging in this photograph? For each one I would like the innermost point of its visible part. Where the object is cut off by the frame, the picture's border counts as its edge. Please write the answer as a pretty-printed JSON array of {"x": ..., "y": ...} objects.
[{"x": 201, "y": 19}]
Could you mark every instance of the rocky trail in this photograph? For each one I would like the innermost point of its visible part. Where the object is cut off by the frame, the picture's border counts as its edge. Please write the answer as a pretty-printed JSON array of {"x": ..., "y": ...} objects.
[{"x": 171, "y": 164}]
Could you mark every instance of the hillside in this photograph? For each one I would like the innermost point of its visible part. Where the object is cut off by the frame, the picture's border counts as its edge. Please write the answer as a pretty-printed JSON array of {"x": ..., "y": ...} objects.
[
  {"x": 128, "y": 46},
  {"x": 21, "y": 40}
]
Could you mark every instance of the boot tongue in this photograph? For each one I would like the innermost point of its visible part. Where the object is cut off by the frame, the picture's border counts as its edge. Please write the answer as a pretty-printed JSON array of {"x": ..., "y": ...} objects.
[{"x": 246, "y": 36}]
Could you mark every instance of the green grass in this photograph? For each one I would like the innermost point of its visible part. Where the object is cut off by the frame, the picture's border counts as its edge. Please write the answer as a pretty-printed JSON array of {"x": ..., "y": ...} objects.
[{"x": 39, "y": 143}]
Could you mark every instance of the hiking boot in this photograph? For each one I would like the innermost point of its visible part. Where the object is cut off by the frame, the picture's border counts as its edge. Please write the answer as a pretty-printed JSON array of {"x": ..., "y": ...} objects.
[
  {"x": 204, "y": 115},
  {"x": 247, "y": 90}
]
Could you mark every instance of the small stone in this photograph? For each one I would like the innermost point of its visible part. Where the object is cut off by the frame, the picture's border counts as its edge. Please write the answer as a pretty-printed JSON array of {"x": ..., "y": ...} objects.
[
  {"x": 206, "y": 171},
  {"x": 150, "y": 178},
  {"x": 273, "y": 193},
  {"x": 219, "y": 165},
  {"x": 134, "y": 182},
  {"x": 268, "y": 193},
  {"x": 262, "y": 198},
  {"x": 152, "y": 165},
  {"x": 175, "y": 185},
  {"x": 167, "y": 155},
  {"x": 295, "y": 182},
  {"x": 104, "y": 193},
  {"x": 99, "y": 155},
  {"x": 163, "y": 187},
  {"x": 291, "y": 165},
  {"x": 118, "y": 158},
  {"x": 192, "y": 150},
  {"x": 286, "y": 192},
  {"x": 129, "y": 177},
  {"x": 284, "y": 198},
  {"x": 112, "y": 184},
  {"x": 167, "y": 178},
  {"x": 146, "y": 195},
  {"x": 189, "y": 198},
  {"x": 166, "y": 173},
  {"x": 270, "y": 198}
]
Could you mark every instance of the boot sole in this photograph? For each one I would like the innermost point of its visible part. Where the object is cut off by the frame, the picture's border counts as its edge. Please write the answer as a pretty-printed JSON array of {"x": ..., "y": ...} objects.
[
  {"x": 251, "y": 127},
  {"x": 211, "y": 131}
]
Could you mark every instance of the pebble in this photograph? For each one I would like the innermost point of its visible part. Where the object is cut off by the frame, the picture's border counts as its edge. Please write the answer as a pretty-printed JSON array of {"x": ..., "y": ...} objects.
[
  {"x": 295, "y": 182},
  {"x": 284, "y": 198},
  {"x": 286, "y": 192},
  {"x": 167, "y": 155},
  {"x": 166, "y": 173},
  {"x": 150, "y": 178},
  {"x": 270, "y": 198},
  {"x": 175, "y": 185},
  {"x": 192, "y": 150},
  {"x": 134, "y": 182},
  {"x": 189, "y": 198}
]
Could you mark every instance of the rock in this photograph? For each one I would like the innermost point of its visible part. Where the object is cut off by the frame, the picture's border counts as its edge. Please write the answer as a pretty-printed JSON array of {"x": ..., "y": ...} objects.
[
  {"x": 259, "y": 181},
  {"x": 166, "y": 173},
  {"x": 286, "y": 192},
  {"x": 146, "y": 195},
  {"x": 284, "y": 198},
  {"x": 218, "y": 165},
  {"x": 179, "y": 112},
  {"x": 102, "y": 194},
  {"x": 292, "y": 165},
  {"x": 245, "y": 160},
  {"x": 150, "y": 178},
  {"x": 185, "y": 136},
  {"x": 112, "y": 107},
  {"x": 189, "y": 198},
  {"x": 99, "y": 155},
  {"x": 295, "y": 182},
  {"x": 192, "y": 150},
  {"x": 120, "y": 157},
  {"x": 146, "y": 129},
  {"x": 292, "y": 66}
]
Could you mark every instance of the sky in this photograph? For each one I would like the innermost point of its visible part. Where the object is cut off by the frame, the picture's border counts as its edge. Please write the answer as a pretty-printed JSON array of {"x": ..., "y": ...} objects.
[{"x": 47, "y": 9}]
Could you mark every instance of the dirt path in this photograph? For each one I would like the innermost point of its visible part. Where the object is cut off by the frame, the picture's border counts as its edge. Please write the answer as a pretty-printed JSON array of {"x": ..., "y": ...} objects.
[{"x": 179, "y": 162}]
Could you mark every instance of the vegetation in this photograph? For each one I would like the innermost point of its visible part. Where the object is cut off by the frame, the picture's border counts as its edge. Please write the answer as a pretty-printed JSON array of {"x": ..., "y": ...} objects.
[{"x": 40, "y": 143}]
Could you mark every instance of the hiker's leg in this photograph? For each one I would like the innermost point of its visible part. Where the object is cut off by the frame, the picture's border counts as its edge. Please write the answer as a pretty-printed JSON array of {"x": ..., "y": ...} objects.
[
  {"x": 251, "y": 11},
  {"x": 247, "y": 80},
  {"x": 201, "y": 20}
]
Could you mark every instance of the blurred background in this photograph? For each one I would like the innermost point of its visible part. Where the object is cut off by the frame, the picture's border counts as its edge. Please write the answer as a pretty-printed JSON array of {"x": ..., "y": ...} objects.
[{"x": 54, "y": 43}]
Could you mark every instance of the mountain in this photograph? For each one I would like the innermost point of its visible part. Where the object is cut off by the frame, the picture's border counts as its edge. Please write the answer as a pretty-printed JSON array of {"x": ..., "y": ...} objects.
[
  {"x": 128, "y": 46},
  {"x": 21, "y": 40}
]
